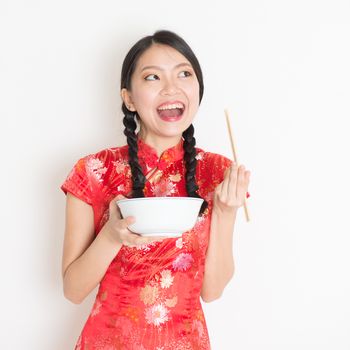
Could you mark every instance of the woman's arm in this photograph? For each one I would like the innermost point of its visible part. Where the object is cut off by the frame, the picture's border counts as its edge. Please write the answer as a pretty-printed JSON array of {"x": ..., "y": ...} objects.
[
  {"x": 219, "y": 265},
  {"x": 85, "y": 257},
  {"x": 229, "y": 195}
]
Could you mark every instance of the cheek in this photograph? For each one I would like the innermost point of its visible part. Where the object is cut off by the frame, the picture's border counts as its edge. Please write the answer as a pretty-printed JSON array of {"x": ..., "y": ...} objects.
[
  {"x": 192, "y": 88},
  {"x": 144, "y": 98},
  {"x": 193, "y": 94}
]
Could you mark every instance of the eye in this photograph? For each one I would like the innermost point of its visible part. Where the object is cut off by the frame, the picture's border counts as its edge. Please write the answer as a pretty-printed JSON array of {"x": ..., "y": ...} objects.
[
  {"x": 146, "y": 78},
  {"x": 188, "y": 73}
]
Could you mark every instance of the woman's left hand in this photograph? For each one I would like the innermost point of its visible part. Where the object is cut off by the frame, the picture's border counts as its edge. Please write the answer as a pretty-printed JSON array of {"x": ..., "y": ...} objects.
[{"x": 230, "y": 194}]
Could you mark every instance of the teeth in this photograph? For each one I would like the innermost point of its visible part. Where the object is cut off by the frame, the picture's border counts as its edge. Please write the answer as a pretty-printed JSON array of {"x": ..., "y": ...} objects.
[{"x": 173, "y": 106}]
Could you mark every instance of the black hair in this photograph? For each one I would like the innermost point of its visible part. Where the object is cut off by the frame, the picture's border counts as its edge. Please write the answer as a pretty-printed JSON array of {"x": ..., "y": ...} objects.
[{"x": 169, "y": 38}]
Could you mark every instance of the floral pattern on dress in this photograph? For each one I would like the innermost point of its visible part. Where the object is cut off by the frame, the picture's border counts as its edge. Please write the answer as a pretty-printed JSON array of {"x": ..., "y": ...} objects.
[
  {"x": 175, "y": 178},
  {"x": 157, "y": 314},
  {"x": 149, "y": 297},
  {"x": 179, "y": 243},
  {"x": 122, "y": 167},
  {"x": 164, "y": 188},
  {"x": 182, "y": 262},
  {"x": 149, "y": 294},
  {"x": 200, "y": 155},
  {"x": 158, "y": 302},
  {"x": 197, "y": 326},
  {"x": 167, "y": 279},
  {"x": 146, "y": 247},
  {"x": 96, "y": 167}
]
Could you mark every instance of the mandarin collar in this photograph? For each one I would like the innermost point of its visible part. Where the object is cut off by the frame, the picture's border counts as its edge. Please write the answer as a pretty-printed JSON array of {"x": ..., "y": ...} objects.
[{"x": 148, "y": 154}]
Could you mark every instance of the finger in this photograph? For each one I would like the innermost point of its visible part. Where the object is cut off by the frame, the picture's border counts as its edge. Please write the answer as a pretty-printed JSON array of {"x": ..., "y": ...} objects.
[
  {"x": 247, "y": 179},
  {"x": 137, "y": 240},
  {"x": 114, "y": 210},
  {"x": 241, "y": 183},
  {"x": 231, "y": 184},
  {"x": 130, "y": 238},
  {"x": 113, "y": 206},
  {"x": 231, "y": 189},
  {"x": 125, "y": 223},
  {"x": 156, "y": 238},
  {"x": 224, "y": 184},
  {"x": 119, "y": 197},
  {"x": 218, "y": 188},
  {"x": 140, "y": 240}
]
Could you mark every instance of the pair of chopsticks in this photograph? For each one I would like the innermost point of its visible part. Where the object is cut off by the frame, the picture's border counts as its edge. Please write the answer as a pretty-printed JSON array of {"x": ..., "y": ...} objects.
[{"x": 236, "y": 160}]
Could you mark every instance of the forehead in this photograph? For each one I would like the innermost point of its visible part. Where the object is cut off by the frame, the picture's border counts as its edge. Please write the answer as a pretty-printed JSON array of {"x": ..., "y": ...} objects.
[{"x": 163, "y": 56}]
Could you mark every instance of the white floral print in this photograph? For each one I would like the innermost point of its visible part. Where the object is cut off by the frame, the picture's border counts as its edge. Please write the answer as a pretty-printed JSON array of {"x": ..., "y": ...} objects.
[
  {"x": 157, "y": 314},
  {"x": 199, "y": 156},
  {"x": 120, "y": 166},
  {"x": 121, "y": 188},
  {"x": 96, "y": 167},
  {"x": 179, "y": 243},
  {"x": 167, "y": 279},
  {"x": 146, "y": 246}
]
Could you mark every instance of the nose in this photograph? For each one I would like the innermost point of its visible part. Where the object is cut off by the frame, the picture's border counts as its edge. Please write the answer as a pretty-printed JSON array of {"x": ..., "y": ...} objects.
[{"x": 169, "y": 87}]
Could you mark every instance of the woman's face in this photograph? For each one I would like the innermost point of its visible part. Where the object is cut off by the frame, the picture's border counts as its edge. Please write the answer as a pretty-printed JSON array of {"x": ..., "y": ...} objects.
[{"x": 170, "y": 80}]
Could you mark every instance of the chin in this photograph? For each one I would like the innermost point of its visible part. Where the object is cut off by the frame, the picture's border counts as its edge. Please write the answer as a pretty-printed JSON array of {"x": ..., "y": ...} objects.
[{"x": 174, "y": 134}]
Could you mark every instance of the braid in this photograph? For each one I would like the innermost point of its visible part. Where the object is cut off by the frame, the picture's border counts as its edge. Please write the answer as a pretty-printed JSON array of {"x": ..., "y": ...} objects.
[
  {"x": 191, "y": 164},
  {"x": 138, "y": 178}
]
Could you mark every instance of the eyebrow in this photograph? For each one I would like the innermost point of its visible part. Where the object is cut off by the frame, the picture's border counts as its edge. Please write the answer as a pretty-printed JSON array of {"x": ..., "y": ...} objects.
[{"x": 159, "y": 68}]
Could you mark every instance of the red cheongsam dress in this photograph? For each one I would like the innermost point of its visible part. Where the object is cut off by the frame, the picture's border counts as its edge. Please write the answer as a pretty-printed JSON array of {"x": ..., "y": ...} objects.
[{"x": 149, "y": 297}]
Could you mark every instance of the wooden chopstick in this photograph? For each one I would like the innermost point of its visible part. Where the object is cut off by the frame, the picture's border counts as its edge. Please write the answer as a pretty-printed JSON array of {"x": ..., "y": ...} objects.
[{"x": 236, "y": 159}]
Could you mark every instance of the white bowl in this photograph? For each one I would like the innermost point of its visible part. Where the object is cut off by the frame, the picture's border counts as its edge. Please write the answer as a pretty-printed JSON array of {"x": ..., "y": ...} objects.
[{"x": 161, "y": 216}]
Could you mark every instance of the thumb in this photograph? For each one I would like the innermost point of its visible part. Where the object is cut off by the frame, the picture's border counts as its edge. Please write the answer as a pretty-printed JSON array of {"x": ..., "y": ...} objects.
[
  {"x": 113, "y": 206},
  {"x": 119, "y": 196}
]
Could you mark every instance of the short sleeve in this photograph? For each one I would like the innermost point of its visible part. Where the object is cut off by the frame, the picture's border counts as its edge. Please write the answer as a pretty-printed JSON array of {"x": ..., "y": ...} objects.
[
  {"x": 211, "y": 169},
  {"x": 219, "y": 166},
  {"x": 78, "y": 182}
]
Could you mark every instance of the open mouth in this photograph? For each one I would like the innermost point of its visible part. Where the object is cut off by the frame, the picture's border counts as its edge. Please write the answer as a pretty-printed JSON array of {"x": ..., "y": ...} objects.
[{"x": 172, "y": 111}]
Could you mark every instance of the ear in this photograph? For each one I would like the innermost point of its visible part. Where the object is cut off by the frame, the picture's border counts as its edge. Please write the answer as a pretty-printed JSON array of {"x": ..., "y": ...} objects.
[{"x": 125, "y": 95}]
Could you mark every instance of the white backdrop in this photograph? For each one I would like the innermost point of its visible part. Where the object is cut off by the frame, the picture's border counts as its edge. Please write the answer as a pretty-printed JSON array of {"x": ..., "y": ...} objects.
[{"x": 282, "y": 69}]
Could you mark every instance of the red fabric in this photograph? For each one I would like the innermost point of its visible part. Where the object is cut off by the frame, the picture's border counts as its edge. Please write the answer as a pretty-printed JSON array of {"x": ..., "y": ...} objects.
[{"x": 149, "y": 297}]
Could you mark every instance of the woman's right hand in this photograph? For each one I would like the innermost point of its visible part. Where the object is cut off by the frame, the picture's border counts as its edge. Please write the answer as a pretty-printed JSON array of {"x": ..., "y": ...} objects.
[{"x": 117, "y": 227}]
